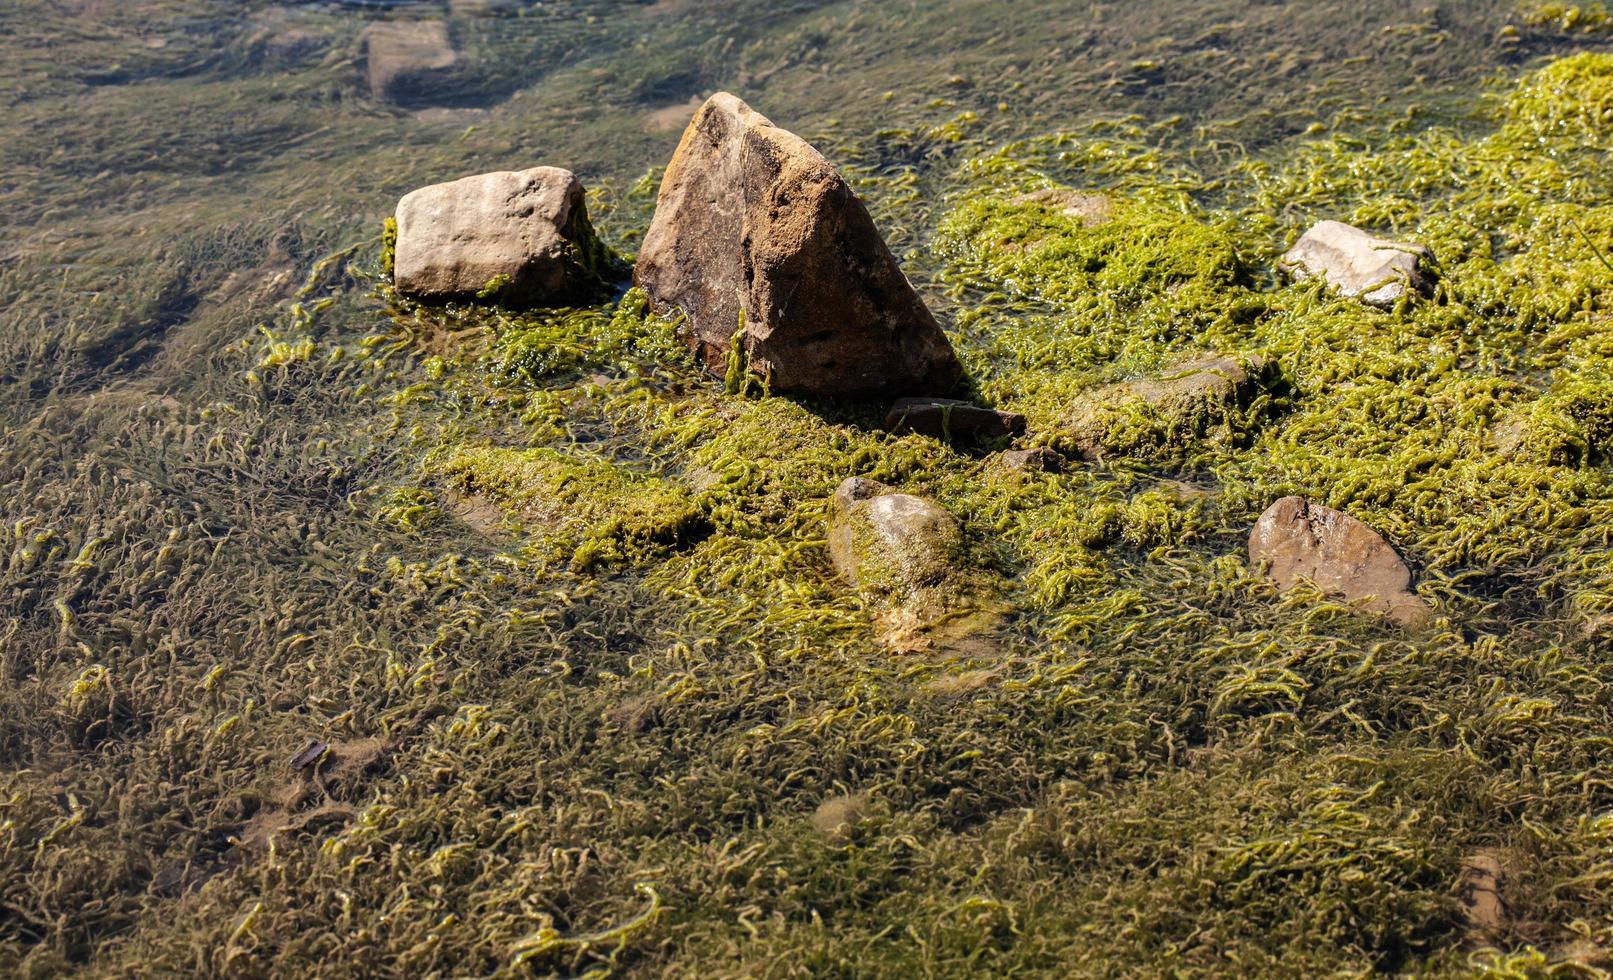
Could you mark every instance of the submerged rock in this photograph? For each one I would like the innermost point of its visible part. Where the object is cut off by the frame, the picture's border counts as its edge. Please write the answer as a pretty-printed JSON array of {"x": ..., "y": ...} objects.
[
  {"x": 892, "y": 546},
  {"x": 1300, "y": 540},
  {"x": 408, "y": 62},
  {"x": 761, "y": 243},
  {"x": 1089, "y": 209},
  {"x": 1038, "y": 460},
  {"x": 1187, "y": 401},
  {"x": 837, "y": 817},
  {"x": 519, "y": 237},
  {"x": 1376, "y": 271},
  {"x": 949, "y": 418}
]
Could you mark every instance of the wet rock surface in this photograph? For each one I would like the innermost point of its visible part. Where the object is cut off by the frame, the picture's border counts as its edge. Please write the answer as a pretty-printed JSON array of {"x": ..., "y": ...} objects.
[
  {"x": 1185, "y": 401},
  {"x": 1089, "y": 209},
  {"x": 1298, "y": 540},
  {"x": 520, "y": 237},
  {"x": 891, "y": 545},
  {"x": 409, "y": 62},
  {"x": 756, "y": 233},
  {"x": 1038, "y": 460},
  {"x": 1374, "y": 270},
  {"x": 950, "y": 418}
]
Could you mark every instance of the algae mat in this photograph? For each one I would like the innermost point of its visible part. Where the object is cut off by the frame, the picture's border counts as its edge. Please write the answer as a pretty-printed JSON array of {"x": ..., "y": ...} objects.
[{"x": 545, "y": 617}]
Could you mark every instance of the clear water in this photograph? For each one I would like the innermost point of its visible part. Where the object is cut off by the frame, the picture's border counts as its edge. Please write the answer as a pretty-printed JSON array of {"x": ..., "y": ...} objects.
[{"x": 172, "y": 171}]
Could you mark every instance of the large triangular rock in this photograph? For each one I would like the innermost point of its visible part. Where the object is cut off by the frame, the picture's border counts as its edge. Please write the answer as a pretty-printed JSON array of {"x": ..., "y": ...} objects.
[{"x": 754, "y": 226}]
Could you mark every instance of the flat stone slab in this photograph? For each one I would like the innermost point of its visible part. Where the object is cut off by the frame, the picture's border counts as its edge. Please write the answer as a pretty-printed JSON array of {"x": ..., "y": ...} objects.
[
  {"x": 1185, "y": 398},
  {"x": 950, "y": 418},
  {"x": 1376, "y": 271},
  {"x": 1298, "y": 540},
  {"x": 408, "y": 62}
]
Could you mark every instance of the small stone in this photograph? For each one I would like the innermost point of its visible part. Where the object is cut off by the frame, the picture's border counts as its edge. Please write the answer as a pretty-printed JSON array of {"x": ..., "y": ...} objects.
[
  {"x": 636, "y": 715},
  {"x": 949, "y": 418},
  {"x": 518, "y": 237},
  {"x": 1374, "y": 270},
  {"x": 1039, "y": 460},
  {"x": 762, "y": 245},
  {"x": 1300, "y": 540},
  {"x": 409, "y": 62},
  {"x": 1483, "y": 876},
  {"x": 891, "y": 545},
  {"x": 1184, "y": 401},
  {"x": 837, "y": 817},
  {"x": 1089, "y": 209}
]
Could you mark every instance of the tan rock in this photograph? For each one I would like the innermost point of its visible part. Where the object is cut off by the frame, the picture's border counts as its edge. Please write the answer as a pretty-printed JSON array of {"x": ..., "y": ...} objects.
[
  {"x": 408, "y": 62},
  {"x": 1089, "y": 209},
  {"x": 891, "y": 545},
  {"x": 753, "y": 228},
  {"x": 518, "y": 237},
  {"x": 837, "y": 817},
  {"x": 1376, "y": 271},
  {"x": 1298, "y": 540}
]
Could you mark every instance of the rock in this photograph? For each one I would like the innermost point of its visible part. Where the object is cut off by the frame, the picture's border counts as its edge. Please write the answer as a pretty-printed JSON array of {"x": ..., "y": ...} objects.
[
  {"x": 754, "y": 229},
  {"x": 1039, "y": 460},
  {"x": 671, "y": 118},
  {"x": 1483, "y": 876},
  {"x": 949, "y": 418},
  {"x": 1373, "y": 270},
  {"x": 891, "y": 545},
  {"x": 408, "y": 62},
  {"x": 837, "y": 817},
  {"x": 1187, "y": 400},
  {"x": 520, "y": 237},
  {"x": 1298, "y": 539},
  {"x": 636, "y": 715},
  {"x": 1089, "y": 209}
]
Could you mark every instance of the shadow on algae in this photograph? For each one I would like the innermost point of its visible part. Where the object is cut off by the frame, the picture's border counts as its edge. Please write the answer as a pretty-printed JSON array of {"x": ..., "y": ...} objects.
[{"x": 552, "y": 614}]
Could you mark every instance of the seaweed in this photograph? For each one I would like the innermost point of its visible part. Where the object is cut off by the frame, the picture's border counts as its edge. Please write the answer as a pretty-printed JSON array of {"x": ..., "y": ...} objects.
[{"x": 560, "y": 604}]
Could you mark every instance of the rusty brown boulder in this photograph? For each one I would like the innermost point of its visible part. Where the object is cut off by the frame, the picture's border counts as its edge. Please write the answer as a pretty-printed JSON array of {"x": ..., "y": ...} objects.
[
  {"x": 1299, "y": 540},
  {"x": 756, "y": 235}
]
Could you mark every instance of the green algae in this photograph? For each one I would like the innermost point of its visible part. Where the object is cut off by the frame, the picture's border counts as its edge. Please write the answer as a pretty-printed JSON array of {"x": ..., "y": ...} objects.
[{"x": 1171, "y": 769}]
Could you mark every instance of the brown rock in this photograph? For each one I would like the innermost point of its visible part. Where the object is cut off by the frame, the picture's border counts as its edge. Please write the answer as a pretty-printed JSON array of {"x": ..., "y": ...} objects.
[
  {"x": 520, "y": 237},
  {"x": 1376, "y": 271},
  {"x": 753, "y": 228},
  {"x": 1039, "y": 460},
  {"x": 949, "y": 418},
  {"x": 408, "y": 62},
  {"x": 1301, "y": 540},
  {"x": 1185, "y": 400}
]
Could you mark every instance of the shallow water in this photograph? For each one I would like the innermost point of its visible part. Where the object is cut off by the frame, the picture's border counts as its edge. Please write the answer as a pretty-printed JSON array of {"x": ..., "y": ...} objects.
[{"x": 244, "y": 513}]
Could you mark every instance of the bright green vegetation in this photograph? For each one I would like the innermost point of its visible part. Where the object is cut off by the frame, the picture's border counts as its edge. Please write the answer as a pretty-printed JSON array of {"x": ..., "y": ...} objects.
[
  {"x": 562, "y": 605},
  {"x": 1591, "y": 18}
]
